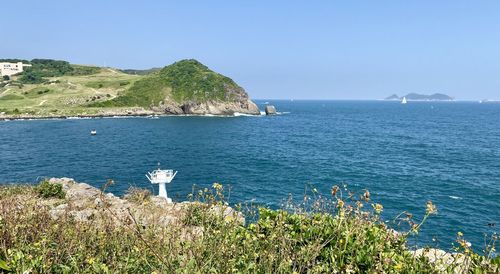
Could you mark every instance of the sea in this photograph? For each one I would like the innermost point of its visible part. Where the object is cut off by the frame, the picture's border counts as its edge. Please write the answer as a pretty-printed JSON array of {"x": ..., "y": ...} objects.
[{"x": 405, "y": 155}]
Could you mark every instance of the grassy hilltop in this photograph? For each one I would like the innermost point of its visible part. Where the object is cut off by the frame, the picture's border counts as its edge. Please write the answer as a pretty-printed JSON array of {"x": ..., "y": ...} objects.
[
  {"x": 186, "y": 80},
  {"x": 57, "y": 88}
]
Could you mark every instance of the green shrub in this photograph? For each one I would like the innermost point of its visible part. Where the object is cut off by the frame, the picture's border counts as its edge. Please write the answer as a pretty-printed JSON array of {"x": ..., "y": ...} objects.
[
  {"x": 42, "y": 68},
  {"x": 186, "y": 80},
  {"x": 43, "y": 91},
  {"x": 47, "y": 189},
  {"x": 138, "y": 195}
]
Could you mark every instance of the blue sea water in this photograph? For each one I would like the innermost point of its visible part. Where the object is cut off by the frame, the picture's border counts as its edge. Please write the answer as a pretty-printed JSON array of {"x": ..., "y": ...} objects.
[{"x": 447, "y": 152}]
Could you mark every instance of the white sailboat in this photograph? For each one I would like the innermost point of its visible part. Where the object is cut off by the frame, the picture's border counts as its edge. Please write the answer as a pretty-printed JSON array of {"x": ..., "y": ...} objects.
[{"x": 404, "y": 101}]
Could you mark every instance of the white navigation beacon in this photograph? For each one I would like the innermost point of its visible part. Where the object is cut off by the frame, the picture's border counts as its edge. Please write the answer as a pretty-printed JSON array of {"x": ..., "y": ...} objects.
[{"x": 162, "y": 177}]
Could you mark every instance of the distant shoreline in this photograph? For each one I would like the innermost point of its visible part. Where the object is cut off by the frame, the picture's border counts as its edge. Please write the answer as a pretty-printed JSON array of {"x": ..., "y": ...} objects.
[{"x": 105, "y": 116}]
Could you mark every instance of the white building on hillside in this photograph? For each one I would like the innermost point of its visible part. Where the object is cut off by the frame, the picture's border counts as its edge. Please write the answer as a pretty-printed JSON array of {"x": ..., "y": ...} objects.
[{"x": 12, "y": 68}]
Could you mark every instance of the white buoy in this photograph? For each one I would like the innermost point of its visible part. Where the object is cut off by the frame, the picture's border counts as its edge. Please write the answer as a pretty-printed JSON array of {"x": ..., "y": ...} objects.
[{"x": 162, "y": 177}]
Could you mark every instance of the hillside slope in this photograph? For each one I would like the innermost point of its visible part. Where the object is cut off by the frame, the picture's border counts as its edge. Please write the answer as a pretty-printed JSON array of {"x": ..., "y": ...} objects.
[
  {"x": 53, "y": 88},
  {"x": 185, "y": 87}
]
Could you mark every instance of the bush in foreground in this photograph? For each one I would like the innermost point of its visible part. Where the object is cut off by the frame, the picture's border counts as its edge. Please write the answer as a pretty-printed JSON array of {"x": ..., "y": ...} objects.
[
  {"x": 338, "y": 235},
  {"x": 50, "y": 190}
]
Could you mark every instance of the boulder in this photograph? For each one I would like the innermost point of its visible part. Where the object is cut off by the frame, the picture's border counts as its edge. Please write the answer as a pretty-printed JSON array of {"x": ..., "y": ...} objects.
[
  {"x": 85, "y": 203},
  {"x": 270, "y": 110},
  {"x": 444, "y": 261}
]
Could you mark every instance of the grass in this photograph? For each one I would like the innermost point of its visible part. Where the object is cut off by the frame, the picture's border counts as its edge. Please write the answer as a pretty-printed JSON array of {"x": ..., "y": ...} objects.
[
  {"x": 186, "y": 80},
  {"x": 64, "y": 95},
  {"x": 329, "y": 235},
  {"x": 73, "y": 90}
]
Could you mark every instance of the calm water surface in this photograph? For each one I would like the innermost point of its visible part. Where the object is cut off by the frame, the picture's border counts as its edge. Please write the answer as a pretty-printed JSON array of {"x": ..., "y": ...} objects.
[{"x": 404, "y": 154}]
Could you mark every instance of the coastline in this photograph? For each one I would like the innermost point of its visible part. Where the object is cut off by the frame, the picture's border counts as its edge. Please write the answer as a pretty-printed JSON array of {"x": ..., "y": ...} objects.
[{"x": 116, "y": 115}]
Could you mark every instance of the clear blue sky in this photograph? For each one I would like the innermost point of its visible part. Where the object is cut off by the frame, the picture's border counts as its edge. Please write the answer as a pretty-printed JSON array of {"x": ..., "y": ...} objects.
[{"x": 277, "y": 49}]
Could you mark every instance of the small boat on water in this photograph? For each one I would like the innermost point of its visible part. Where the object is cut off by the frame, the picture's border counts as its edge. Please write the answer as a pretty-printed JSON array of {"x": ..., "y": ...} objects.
[
  {"x": 93, "y": 132},
  {"x": 404, "y": 101}
]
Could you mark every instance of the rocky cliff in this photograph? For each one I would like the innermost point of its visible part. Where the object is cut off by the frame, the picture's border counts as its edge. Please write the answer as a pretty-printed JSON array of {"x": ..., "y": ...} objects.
[
  {"x": 85, "y": 203},
  {"x": 186, "y": 87}
]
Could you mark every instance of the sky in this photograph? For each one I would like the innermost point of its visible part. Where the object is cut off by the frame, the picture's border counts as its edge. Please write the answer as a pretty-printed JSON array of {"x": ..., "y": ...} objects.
[{"x": 277, "y": 49}]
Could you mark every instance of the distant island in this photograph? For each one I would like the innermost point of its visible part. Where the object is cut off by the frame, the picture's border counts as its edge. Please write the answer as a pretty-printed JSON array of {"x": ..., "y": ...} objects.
[
  {"x": 45, "y": 88},
  {"x": 421, "y": 97}
]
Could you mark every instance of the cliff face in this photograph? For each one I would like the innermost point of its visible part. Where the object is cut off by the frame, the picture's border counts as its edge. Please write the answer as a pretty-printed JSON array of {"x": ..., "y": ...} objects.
[
  {"x": 209, "y": 107},
  {"x": 186, "y": 87}
]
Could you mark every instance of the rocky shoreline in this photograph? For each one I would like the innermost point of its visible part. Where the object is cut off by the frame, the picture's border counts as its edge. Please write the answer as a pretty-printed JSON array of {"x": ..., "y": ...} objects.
[{"x": 222, "y": 110}]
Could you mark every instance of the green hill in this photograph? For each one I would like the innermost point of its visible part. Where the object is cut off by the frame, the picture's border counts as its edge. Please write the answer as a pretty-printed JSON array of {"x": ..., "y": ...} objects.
[
  {"x": 186, "y": 80},
  {"x": 54, "y": 88}
]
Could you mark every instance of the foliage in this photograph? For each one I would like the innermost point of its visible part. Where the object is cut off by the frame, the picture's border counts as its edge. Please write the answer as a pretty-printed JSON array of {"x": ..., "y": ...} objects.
[
  {"x": 138, "y": 195},
  {"x": 13, "y": 60},
  {"x": 140, "y": 71},
  {"x": 8, "y": 190},
  {"x": 327, "y": 235},
  {"x": 106, "y": 84},
  {"x": 42, "y": 68},
  {"x": 79, "y": 70},
  {"x": 186, "y": 80},
  {"x": 47, "y": 189}
]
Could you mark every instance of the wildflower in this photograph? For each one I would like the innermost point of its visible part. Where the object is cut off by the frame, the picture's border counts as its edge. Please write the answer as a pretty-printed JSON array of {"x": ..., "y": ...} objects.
[
  {"x": 378, "y": 208},
  {"x": 315, "y": 190},
  {"x": 359, "y": 204},
  {"x": 340, "y": 203},
  {"x": 431, "y": 208},
  {"x": 464, "y": 243},
  {"x": 217, "y": 186},
  {"x": 334, "y": 190},
  {"x": 460, "y": 234}
]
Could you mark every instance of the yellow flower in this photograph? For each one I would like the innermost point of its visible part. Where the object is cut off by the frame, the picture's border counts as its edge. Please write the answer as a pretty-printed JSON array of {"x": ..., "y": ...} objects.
[
  {"x": 340, "y": 203},
  {"x": 378, "y": 208},
  {"x": 431, "y": 208},
  {"x": 398, "y": 267},
  {"x": 217, "y": 186}
]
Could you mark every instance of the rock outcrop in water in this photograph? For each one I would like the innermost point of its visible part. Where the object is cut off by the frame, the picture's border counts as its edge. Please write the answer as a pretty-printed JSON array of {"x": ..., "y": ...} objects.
[{"x": 270, "y": 110}]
